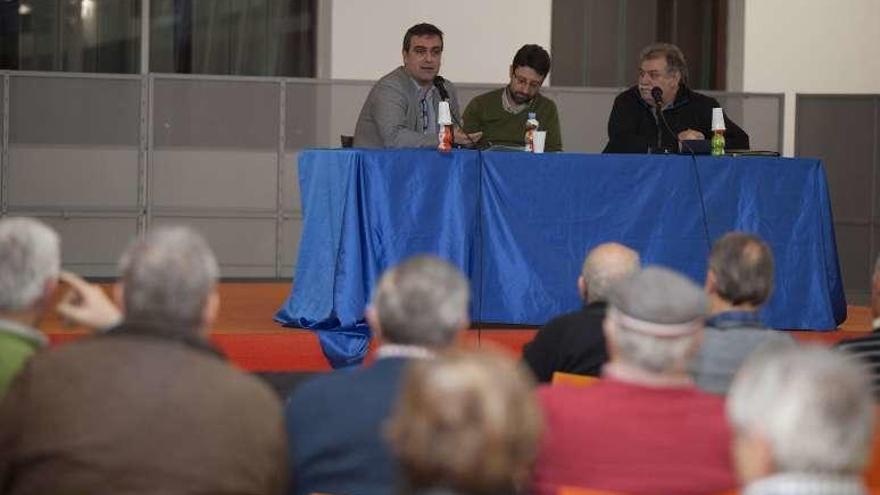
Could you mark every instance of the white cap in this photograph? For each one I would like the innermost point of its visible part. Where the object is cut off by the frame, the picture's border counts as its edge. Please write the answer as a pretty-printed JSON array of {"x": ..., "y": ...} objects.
[
  {"x": 444, "y": 115},
  {"x": 717, "y": 119}
]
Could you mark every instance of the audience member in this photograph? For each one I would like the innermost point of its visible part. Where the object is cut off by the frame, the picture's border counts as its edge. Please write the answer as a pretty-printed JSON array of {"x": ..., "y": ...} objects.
[
  {"x": 501, "y": 114},
  {"x": 466, "y": 423},
  {"x": 644, "y": 428},
  {"x": 401, "y": 109},
  {"x": 147, "y": 406},
  {"x": 867, "y": 348},
  {"x": 575, "y": 342},
  {"x": 29, "y": 267},
  {"x": 335, "y": 421},
  {"x": 634, "y": 124},
  {"x": 738, "y": 282},
  {"x": 803, "y": 419}
]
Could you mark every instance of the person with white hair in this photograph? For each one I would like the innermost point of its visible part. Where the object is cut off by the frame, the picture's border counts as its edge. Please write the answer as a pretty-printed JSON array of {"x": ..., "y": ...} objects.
[
  {"x": 147, "y": 406},
  {"x": 803, "y": 420},
  {"x": 335, "y": 421},
  {"x": 644, "y": 428},
  {"x": 574, "y": 342},
  {"x": 867, "y": 348},
  {"x": 29, "y": 269}
]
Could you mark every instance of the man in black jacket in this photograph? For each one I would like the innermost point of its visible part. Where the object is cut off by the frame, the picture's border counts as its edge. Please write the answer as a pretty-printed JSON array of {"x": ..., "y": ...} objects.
[
  {"x": 634, "y": 123},
  {"x": 574, "y": 342}
]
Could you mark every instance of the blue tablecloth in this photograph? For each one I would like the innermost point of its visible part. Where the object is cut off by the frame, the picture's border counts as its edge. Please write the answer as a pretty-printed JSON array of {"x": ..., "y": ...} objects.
[{"x": 519, "y": 225}]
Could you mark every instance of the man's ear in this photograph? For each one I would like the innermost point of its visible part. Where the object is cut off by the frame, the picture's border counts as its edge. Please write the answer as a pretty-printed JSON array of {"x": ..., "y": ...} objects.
[
  {"x": 210, "y": 311},
  {"x": 373, "y": 321},
  {"x": 711, "y": 285},
  {"x": 582, "y": 287},
  {"x": 119, "y": 296}
]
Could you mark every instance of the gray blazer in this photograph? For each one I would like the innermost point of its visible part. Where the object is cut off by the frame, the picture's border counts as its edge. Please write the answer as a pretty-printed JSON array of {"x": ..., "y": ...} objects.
[{"x": 391, "y": 117}]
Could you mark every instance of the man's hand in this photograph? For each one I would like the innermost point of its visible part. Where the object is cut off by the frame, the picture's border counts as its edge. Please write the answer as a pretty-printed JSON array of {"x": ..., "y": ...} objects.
[
  {"x": 466, "y": 140},
  {"x": 690, "y": 134},
  {"x": 86, "y": 304}
]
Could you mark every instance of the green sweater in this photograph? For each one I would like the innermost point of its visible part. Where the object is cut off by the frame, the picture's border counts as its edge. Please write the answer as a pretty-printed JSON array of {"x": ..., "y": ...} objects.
[
  {"x": 17, "y": 344},
  {"x": 485, "y": 113}
]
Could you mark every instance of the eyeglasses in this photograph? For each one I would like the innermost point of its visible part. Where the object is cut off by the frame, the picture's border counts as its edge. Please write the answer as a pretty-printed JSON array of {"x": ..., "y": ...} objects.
[
  {"x": 653, "y": 74},
  {"x": 522, "y": 81}
]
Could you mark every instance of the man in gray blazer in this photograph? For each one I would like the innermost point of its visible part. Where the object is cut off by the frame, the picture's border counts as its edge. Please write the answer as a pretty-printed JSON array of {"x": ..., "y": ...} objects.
[{"x": 401, "y": 109}]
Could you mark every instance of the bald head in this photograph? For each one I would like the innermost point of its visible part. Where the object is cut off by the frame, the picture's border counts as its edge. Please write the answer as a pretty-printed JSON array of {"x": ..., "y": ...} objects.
[{"x": 604, "y": 266}]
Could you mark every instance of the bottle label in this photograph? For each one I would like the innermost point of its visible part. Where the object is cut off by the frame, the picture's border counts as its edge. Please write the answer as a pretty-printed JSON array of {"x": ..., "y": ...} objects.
[{"x": 445, "y": 137}]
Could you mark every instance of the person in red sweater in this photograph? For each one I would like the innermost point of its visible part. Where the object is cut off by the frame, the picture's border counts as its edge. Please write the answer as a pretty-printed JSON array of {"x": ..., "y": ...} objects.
[{"x": 644, "y": 428}]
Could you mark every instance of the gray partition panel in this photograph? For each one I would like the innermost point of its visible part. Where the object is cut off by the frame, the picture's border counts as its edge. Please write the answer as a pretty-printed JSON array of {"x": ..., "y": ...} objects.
[
  {"x": 843, "y": 131},
  {"x": 73, "y": 110},
  {"x": 583, "y": 116},
  {"x": 338, "y": 104},
  {"x": 211, "y": 113},
  {"x": 72, "y": 176},
  {"x": 92, "y": 246},
  {"x": 305, "y": 107},
  {"x": 245, "y": 247},
  {"x": 214, "y": 178}
]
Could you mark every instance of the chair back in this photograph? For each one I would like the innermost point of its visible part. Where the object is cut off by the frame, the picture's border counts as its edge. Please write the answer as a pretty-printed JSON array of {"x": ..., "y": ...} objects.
[{"x": 562, "y": 378}]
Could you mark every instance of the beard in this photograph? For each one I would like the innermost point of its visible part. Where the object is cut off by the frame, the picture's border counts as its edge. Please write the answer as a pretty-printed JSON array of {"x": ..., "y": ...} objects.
[{"x": 518, "y": 98}]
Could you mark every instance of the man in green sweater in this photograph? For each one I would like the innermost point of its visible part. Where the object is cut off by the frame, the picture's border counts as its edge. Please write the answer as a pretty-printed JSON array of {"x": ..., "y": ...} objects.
[
  {"x": 29, "y": 266},
  {"x": 501, "y": 114}
]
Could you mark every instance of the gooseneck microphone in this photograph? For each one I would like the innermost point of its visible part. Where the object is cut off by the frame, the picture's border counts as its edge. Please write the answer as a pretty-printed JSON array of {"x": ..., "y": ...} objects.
[
  {"x": 441, "y": 89},
  {"x": 657, "y": 94},
  {"x": 439, "y": 83}
]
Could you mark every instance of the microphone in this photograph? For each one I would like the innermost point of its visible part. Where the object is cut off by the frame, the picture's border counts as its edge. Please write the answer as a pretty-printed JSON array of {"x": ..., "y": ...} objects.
[
  {"x": 439, "y": 83},
  {"x": 656, "y": 93},
  {"x": 441, "y": 89}
]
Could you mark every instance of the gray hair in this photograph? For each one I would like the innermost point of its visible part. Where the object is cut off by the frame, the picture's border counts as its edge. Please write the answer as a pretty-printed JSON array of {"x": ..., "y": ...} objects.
[
  {"x": 604, "y": 266},
  {"x": 743, "y": 268},
  {"x": 657, "y": 297},
  {"x": 422, "y": 301},
  {"x": 675, "y": 61},
  {"x": 30, "y": 253},
  {"x": 167, "y": 277},
  {"x": 813, "y": 405}
]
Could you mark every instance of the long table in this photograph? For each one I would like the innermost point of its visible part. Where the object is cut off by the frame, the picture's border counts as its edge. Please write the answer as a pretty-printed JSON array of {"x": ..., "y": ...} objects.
[{"x": 518, "y": 225}]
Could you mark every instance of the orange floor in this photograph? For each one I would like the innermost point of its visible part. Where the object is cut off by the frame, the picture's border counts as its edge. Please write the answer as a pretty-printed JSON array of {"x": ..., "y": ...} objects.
[{"x": 246, "y": 332}]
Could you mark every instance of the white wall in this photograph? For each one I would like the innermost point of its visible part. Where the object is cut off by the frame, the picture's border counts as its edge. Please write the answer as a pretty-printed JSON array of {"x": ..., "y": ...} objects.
[
  {"x": 480, "y": 36},
  {"x": 810, "y": 46}
]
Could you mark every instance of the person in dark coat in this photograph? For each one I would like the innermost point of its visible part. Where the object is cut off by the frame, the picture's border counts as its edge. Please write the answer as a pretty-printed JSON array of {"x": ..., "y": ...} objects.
[{"x": 634, "y": 123}]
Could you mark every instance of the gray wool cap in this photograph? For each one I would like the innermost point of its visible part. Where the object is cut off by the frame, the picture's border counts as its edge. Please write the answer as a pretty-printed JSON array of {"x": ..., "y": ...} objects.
[{"x": 660, "y": 302}]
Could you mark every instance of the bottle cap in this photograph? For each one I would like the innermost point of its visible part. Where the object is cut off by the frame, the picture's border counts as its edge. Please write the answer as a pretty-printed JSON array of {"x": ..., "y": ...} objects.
[
  {"x": 717, "y": 119},
  {"x": 532, "y": 115},
  {"x": 444, "y": 115}
]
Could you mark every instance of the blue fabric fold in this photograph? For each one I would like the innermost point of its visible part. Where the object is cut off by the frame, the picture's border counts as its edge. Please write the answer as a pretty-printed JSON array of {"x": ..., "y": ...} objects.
[{"x": 518, "y": 226}]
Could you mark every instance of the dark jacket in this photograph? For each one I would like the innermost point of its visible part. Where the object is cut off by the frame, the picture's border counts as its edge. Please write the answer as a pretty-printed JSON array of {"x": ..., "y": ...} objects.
[
  {"x": 335, "y": 424},
  {"x": 633, "y": 129},
  {"x": 572, "y": 343},
  {"x": 139, "y": 411}
]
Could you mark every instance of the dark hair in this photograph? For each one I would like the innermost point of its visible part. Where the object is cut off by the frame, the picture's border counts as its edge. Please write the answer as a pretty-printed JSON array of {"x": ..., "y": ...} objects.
[
  {"x": 743, "y": 268},
  {"x": 533, "y": 56},
  {"x": 422, "y": 29},
  {"x": 675, "y": 61}
]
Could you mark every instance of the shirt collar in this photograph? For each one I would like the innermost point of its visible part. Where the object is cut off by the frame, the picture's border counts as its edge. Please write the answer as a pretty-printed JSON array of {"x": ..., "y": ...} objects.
[
  {"x": 405, "y": 351},
  {"x": 806, "y": 484},
  {"x": 23, "y": 331},
  {"x": 737, "y": 318}
]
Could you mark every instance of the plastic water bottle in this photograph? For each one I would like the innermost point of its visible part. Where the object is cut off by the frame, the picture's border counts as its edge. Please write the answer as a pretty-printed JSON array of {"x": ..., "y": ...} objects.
[
  {"x": 444, "y": 122},
  {"x": 531, "y": 127},
  {"x": 717, "y": 142}
]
